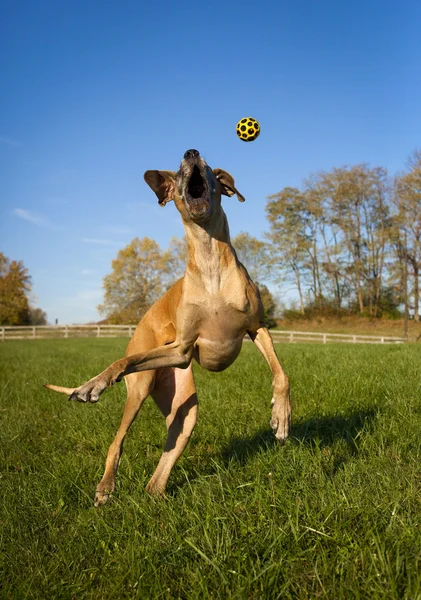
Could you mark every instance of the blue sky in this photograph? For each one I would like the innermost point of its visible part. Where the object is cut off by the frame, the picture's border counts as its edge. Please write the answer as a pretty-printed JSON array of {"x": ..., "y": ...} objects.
[{"x": 94, "y": 93}]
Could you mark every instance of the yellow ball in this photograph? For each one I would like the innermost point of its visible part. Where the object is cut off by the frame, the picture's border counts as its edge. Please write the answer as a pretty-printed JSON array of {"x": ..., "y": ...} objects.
[{"x": 248, "y": 129}]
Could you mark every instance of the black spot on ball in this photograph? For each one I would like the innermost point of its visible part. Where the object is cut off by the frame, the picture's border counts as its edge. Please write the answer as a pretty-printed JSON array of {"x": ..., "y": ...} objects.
[
  {"x": 251, "y": 131},
  {"x": 244, "y": 135},
  {"x": 243, "y": 127},
  {"x": 243, "y": 120}
]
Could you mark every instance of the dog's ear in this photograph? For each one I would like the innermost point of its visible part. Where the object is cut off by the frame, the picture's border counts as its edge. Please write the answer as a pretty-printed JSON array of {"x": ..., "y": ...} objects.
[
  {"x": 162, "y": 183},
  {"x": 227, "y": 184}
]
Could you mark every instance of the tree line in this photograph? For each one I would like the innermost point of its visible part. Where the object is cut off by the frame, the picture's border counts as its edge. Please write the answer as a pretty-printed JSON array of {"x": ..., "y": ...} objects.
[{"x": 350, "y": 239}]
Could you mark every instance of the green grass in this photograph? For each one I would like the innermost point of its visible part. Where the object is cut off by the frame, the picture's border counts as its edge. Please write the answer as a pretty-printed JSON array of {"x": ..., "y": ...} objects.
[{"x": 333, "y": 514}]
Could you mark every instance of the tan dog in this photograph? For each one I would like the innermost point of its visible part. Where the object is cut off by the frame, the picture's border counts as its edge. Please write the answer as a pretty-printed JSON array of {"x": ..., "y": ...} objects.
[{"x": 204, "y": 316}]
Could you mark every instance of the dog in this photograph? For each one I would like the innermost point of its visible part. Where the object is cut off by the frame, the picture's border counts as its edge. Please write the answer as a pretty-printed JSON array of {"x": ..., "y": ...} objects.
[{"x": 204, "y": 316}]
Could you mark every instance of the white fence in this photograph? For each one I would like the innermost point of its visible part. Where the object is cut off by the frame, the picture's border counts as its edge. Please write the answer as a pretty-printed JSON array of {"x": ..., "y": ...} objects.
[
  {"x": 324, "y": 338},
  {"x": 111, "y": 331},
  {"x": 65, "y": 331}
]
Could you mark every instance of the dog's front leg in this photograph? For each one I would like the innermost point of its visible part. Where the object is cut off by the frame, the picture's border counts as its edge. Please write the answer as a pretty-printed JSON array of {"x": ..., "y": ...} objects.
[
  {"x": 281, "y": 406},
  {"x": 176, "y": 354}
]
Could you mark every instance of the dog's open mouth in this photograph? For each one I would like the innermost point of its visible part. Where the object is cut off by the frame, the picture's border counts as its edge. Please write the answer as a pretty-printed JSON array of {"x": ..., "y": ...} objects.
[
  {"x": 196, "y": 187},
  {"x": 197, "y": 197}
]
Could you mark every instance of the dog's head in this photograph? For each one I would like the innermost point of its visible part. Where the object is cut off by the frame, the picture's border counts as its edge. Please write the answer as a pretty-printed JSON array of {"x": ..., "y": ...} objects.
[{"x": 196, "y": 189}]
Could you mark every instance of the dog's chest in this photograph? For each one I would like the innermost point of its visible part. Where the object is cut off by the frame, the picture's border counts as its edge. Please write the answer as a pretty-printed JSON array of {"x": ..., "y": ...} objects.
[
  {"x": 221, "y": 331},
  {"x": 216, "y": 353}
]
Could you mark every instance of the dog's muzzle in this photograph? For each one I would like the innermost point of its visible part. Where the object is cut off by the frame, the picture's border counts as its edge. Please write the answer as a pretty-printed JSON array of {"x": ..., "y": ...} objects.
[
  {"x": 195, "y": 185},
  {"x": 191, "y": 154}
]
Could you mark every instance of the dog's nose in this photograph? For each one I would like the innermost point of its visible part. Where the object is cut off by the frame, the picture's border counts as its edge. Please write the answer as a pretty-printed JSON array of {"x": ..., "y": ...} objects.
[{"x": 191, "y": 154}]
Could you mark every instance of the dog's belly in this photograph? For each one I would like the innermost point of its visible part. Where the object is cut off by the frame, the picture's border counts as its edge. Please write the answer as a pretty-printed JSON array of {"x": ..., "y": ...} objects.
[{"x": 216, "y": 354}]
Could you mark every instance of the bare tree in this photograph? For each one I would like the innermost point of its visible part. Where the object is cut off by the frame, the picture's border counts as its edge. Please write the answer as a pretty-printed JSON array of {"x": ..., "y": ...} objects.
[
  {"x": 407, "y": 202},
  {"x": 290, "y": 245},
  {"x": 254, "y": 254},
  {"x": 357, "y": 201}
]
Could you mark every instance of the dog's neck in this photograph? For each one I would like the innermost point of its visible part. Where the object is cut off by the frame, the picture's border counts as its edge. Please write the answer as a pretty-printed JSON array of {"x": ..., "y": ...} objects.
[{"x": 209, "y": 250}]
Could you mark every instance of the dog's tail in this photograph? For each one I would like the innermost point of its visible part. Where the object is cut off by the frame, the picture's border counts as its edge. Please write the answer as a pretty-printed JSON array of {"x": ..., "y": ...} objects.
[{"x": 59, "y": 388}]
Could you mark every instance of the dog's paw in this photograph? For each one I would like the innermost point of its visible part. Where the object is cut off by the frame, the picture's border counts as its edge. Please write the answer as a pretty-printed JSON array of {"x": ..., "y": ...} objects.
[
  {"x": 154, "y": 489},
  {"x": 280, "y": 422},
  {"x": 101, "y": 498},
  {"x": 89, "y": 392},
  {"x": 280, "y": 430}
]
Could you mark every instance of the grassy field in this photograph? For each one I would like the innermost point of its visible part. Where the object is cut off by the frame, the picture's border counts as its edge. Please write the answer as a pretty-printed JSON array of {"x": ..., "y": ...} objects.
[{"x": 335, "y": 513}]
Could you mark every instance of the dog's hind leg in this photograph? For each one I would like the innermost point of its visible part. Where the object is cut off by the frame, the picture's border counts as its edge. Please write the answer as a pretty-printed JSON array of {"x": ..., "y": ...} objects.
[
  {"x": 175, "y": 395},
  {"x": 139, "y": 386}
]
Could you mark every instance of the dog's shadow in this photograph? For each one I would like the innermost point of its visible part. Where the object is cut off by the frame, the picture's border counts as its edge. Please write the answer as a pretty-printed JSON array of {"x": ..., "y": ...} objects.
[{"x": 316, "y": 431}]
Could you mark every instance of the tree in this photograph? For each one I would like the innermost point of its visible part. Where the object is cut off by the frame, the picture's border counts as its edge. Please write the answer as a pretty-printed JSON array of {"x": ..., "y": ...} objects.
[
  {"x": 269, "y": 306},
  {"x": 15, "y": 284},
  {"x": 177, "y": 256},
  {"x": 289, "y": 242},
  {"x": 140, "y": 275},
  {"x": 325, "y": 249},
  {"x": 37, "y": 316},
  {"x": 407, "y": 201},
  {"x": 254, "y": 254},
  {"x": 332, "y": 237},
  {"x": 357, "y": 200}
]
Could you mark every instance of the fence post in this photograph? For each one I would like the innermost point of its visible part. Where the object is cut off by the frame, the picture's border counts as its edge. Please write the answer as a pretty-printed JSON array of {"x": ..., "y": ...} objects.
[
  {"x": 354, "y": 339},
  {"x": 34, "y": 334},
  {"x": 324, "y": 338},
  {"x": 291, "y": 337},
  {"x": 382, "y": 342},
  {"x": 130, "y": 330},
  {"x": 98, "y": 331},
  {"x": 66, "y": 332},
  {"x": 3, "y": 336}
]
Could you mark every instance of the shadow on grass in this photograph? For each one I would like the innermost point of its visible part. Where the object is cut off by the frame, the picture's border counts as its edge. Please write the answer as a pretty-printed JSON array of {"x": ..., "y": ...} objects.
[{"x": 318, "y": 432}]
